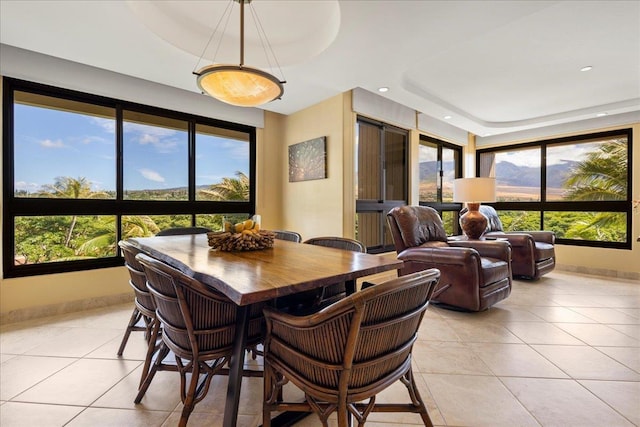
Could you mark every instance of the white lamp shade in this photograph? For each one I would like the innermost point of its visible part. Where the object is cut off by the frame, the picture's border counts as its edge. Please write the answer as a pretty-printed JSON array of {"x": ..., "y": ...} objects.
[{"x": 474, "y": 190}]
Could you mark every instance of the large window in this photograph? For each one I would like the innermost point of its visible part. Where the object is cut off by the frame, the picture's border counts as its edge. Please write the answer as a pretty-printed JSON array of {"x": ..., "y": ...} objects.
[
  {"x": 578, "y": 187},
  {"x": 82, "y": 172},
  {"x": 439, "y": 164}
]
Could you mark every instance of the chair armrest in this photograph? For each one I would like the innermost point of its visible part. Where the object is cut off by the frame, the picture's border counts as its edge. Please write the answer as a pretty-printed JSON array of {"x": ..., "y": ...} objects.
[
  {"x": 543, "y": 236},
  {"x": 305, "y": 320},
  {"x": 516, "y": 239},
  {"x": 538, "y": 236},
  {"x": 439, "y": 255},
  {"x": 488, "y": 248}
]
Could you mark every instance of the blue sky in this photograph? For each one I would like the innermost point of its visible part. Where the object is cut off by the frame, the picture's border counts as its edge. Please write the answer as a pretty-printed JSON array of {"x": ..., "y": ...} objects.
[{"x": 51, "y": 143}]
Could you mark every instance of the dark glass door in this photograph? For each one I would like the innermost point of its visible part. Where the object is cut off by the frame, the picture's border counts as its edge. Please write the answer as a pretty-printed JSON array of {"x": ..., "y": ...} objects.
[{"x": 381, "y": 180}]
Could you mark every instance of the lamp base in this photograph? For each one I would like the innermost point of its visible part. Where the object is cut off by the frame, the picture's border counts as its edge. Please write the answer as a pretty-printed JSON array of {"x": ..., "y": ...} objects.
[{"x": 473, "y": 222}]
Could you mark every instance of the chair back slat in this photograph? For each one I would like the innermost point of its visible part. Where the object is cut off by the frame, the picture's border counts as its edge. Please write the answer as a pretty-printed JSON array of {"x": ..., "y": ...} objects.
[
  {"x": 338, "y": 290},
  {"x": 338, "y": 243},
  {"x": 291, "y": 236},
  {"x": 314, "y": 340},
  {"x": 316, "y": 353},
  {"x": 178, "y": 231},
  {"x": 366, "y": 374},
  {"x": 213, "y": 319}
]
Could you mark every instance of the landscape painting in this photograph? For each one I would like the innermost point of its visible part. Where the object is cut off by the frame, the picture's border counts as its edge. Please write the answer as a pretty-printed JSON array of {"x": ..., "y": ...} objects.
[{"x": 308, "y": 160}]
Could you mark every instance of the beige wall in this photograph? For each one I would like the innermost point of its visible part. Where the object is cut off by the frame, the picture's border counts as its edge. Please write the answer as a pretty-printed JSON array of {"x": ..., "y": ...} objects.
[
  {"x": 271, "y": 170},
  {"x": 315, "y": 208},
  {"x": 36, "y": 296}
]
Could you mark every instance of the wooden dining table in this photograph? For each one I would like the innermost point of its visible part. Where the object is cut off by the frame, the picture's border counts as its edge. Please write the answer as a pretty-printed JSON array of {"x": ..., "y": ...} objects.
[{"x": 249, "y": 277}]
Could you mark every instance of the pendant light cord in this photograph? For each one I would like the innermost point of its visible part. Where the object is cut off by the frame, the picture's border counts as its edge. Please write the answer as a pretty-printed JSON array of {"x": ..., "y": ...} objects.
[
  {"x": 263, "y": 37},
  {"x": 227, "y": 14}
]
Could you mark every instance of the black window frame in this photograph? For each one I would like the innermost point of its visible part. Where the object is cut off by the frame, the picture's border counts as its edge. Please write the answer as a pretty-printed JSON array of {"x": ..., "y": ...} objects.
[
  {"x": 439, "y": 205},
  {"x": 543, "y": 205},
  {"x": 20, "y": 206}
]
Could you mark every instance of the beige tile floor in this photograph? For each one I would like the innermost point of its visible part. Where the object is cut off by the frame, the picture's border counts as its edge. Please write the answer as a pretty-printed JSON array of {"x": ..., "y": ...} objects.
[{"x": 562, "y": 351}]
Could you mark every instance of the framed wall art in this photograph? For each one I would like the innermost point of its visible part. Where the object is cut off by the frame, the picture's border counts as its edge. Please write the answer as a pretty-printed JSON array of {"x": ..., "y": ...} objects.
[{"x": 308, "y": 160}]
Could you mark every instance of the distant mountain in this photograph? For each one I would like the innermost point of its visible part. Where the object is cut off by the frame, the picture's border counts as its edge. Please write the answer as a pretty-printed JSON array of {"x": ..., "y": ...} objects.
[
  {"x": 557, "y": 174},
  {"x": 511, "y": 174},
  {"x": 514, "y": 175},
  {"x": 429, "y": 169}
]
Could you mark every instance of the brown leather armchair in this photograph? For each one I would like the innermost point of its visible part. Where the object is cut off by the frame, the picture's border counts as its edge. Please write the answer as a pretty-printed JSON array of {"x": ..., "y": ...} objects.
[
  {"x": 474, "y": 274},
  {"x": 532, "y": 252}
]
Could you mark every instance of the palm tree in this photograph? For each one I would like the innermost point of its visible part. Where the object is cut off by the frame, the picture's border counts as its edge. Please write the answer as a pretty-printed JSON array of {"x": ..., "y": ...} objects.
[
  {"x": 103, "y": 242},
  {"x": 138, "y": 226},
  {"x": 65, "y": 187},
  {"x": 601, "y": 176},
  {"x": 229, "y": 189}
]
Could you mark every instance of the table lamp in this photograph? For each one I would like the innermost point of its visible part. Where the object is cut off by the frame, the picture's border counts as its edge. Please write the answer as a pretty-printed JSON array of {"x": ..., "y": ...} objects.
[{"x": 473, "y": 191}]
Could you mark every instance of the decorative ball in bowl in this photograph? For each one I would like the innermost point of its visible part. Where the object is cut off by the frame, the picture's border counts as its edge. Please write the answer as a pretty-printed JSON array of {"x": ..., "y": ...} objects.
[{"x": 243, "y": 236}]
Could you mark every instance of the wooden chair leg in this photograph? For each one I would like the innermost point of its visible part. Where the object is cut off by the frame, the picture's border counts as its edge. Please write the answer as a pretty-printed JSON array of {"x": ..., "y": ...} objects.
[
  {"x": 271, "y": 394},
  {"x": 152, "y": 347},
  {"x": 135, "y": 318},
  {"x": 409, "y": 382},
  {"x": 190, "y": 393},
  {"x": 162, "y": 353},
  {"x": 344, "y": 417}
]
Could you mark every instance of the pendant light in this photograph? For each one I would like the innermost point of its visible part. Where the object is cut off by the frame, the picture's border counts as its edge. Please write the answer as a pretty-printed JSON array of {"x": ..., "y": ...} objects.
[{"x": 239, "y": 85}]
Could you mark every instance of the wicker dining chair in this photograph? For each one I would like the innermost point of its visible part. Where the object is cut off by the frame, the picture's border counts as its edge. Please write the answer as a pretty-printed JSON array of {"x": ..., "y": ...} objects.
[
  {"x": 337, "y": 291},
  {"x": 143, "y": 317},
  {"x": 198, "y": 326},
  {"x": 177, "y": 231},
  {"x": 291, "y": 236},
  {"x": 348, "y": 352},
  {"x": 338, "y": 243}
]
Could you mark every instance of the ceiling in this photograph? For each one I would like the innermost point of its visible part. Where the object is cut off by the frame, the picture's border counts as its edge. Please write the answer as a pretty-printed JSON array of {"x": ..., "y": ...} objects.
[{"x": 489, "y": 67}]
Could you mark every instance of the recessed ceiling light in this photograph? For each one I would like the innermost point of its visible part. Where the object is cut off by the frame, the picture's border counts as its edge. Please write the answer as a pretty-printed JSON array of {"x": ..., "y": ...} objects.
[
  {"x": 601, "y": 114},
  {"x": 587, "y": 68},
  {"x": 448, "y": 117},
  {"x": 383, "y": 89}
]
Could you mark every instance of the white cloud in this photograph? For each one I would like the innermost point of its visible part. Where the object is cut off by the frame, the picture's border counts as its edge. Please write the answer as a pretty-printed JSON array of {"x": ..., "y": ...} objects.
[
  {"x": 26, "y": 186},
  {"x": 427, "y": 155},
  {"x": 232, "y": 148},
  {"x": 527, "y": 157},
  {"x": 577, "y": 152},
  {"x": 161, "y": 145},
  {"x": 142, "y": 129},
  {"x": 148, "y": 138},
  {"x": 151, "y": 175},
  {"x": 47, "y": 143},
  {"x": 237, "y": 150},
  {"x": 164, "y": 140},
  {"x": 96, "y": 139},
  {"x": 209, "y": 179},
  {"x": 108, "y": 125},
  {"x": 556, "y": 154}
]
